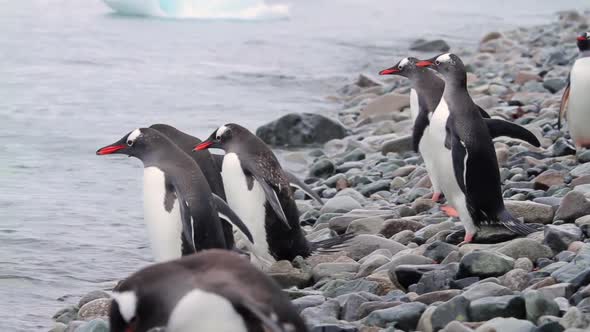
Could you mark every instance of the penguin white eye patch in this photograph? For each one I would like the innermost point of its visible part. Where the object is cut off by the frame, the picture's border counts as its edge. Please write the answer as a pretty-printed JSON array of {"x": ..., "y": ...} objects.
[{"x": 133, "y": 136}]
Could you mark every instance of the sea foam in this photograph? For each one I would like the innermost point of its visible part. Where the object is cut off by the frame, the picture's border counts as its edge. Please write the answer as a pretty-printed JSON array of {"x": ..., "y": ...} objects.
[{"x": 201, "y": 9}]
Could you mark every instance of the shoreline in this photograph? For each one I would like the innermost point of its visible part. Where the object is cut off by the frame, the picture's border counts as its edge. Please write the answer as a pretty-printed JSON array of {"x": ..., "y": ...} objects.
[{"x": 400, "y": 268}]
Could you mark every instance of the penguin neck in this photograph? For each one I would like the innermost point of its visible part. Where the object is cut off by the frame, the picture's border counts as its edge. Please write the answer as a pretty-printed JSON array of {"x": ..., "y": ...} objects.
[
  {"x": 429, "y": 87},
  {"x": 456, "y": 94},
  {"x": 584, "y": 53}
]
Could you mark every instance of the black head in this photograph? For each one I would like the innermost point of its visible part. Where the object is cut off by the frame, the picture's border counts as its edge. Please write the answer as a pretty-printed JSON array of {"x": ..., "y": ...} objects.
[
  {"x": 223, "y": 137},
  {"x": 448, "y": 65},
  {"x": 137, "y": 143},
  {"x": 123, "y": 313},
  {"x": 406, "y": 67},
  {"x": 583, "y": 41}
]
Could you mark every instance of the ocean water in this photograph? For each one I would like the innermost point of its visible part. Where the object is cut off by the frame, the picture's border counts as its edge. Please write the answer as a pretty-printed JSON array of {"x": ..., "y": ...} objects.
[{"x": 75, "y": 76}]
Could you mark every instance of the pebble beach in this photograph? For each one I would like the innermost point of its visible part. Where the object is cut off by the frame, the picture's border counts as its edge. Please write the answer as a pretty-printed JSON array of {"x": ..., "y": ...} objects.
[{"x": 403, "y": 270}]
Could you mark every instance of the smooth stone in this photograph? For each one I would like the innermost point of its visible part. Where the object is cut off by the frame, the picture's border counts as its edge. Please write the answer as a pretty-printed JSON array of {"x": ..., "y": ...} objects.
[
  {"x": 370, "y": 225},
  {"x": 326, "y": 313},
  {"x": 287, "y": 276},
  {"x": 95, "y": 325},
  {"x": 524, "y": 264},
  {"x": 349, "y": 311},
  {"x": 485, "y": 264},
  {"x": 506, "y": 325},
  {"x": 408, "y": 259},
  {"x": 353, "y": 286},
  {"x": 340, "y": 204},
  {"x": 425, "y": 322},
  {"x": 559, "y": 237},
  {"x": 437, "y": 45},
  {"x": 516, "y": 279},
  {"x": 531, "y": 212},
  {"x": 58, "y": 327},
  {"x": 524, "y": 247},
  {"x": 456, "y": 309},
  {"x": 98, "y": 294},
  {"x": 364, "y": 244},
  {"x": 327, "y": 270},
  {"x": 322, "y": 168},
  {"x": 392, "y": 227},
  {"x": 405, "y": 315},
  {"x": 66, "y": 315},
  {"x": 573, "y": 206},
  {"x": 352, "y": 193},
  {"x": 368, "y": 307},
  {"x": 397, "y": 145},
  {"x": 574, "y": 318},
  {"x": 437, "y": 296},
  {"x": 404, "y": 237},
  {"x": 95, "y": 308},
  {"x": 372, "y": 263},
  {"x": 500, "y": 306},
  {"x": 577, "y": 266},
  {"x": 484, "y": 290},
  {"x": 377, "y": 186},
  {"x": 300, "y": 129},
  {"x": 334, "y": 328},
  {"x": 549, "y": 327},
  {"x": 456, "y": 326},
  {"x": 581, "y": 170},
  {"x": 407, "y": 275},
  {"x": 538, "y": 305},
  {"x": 74, "y": 325},
  {"x": 431, "y": 230},
  {"x": 438, "y": 250},
  {"x": 308, "y": 301}
]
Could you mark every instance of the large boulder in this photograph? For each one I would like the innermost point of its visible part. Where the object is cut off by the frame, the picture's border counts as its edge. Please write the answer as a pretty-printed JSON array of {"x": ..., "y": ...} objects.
[{"x": 299, "y": 129}]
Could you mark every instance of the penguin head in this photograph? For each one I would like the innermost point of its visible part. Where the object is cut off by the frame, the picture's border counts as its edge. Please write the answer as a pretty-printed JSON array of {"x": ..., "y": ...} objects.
[
  {"x": 123, "y": 312},
  {"x": 137, "y": 143},
  {"x": 406, "y": 67},
  {"x": 448, "y": 65},
  {"x": 220, "y": 138},
  {"x": 583, "y": 41}
]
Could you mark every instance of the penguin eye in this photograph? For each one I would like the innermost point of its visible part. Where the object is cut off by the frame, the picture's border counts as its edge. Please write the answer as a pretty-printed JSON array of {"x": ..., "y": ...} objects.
[
  {"x": 400, "y": 67},
  {"x": 129, "y": 142},
  {"x": 437, "y": 62},
  {"x": 218, "y": 138}
]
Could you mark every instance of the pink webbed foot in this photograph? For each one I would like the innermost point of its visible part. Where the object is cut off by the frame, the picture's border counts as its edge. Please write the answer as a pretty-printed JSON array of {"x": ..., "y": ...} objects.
[
  {"x": 436, "y": 197},
  {"x": 468, "y": 238},
  {"x": 450, "y": 211}
]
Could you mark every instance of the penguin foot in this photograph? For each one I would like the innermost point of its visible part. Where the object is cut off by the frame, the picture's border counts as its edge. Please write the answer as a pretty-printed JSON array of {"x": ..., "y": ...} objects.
[
  {"x": 436, "y": 197},
  {"x": 450, "y": 211},
  {"x": 468, "y": 238}
]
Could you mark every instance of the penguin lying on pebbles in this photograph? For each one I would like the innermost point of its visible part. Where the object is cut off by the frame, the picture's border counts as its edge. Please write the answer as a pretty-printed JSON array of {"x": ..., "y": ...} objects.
[
  {"x": 214, "y": 290},
  {"x": 425, "y": 94},
  {"x": 181, "y": 214},
  {"x": 258, "y": 190},
  {"x": 576, "y": 99},
  {"x": 471, "y": 178}
]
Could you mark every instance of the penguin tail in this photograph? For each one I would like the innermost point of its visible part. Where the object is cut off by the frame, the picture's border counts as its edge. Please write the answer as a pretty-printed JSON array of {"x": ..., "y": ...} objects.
[
  {"x": 516, "y": 226},
  {"x": 331, "y": 245}
]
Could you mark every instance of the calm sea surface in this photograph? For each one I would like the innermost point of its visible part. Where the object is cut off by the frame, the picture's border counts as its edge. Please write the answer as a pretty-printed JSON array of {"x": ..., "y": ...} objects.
[{"x": 74, "y": 77}]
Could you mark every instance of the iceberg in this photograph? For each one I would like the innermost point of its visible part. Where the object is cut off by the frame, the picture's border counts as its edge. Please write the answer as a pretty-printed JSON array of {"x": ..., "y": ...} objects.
[{"x": 201, "y": 9}]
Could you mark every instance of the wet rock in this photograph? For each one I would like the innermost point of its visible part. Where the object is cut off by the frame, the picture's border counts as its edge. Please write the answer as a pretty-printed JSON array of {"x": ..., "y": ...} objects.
[
  {"x": 573, "y": 206},
  {"x": 484, "y": 290},
  {"x": 322, "y": 168},
  {"x": 538, "y": 305},
  {"x": 405, "y": 315},
  {"x": 66, "y": 315},
  {"x": 365, "y": 81},
  {"x": 531, "y": 212},
  {"x": 485, "y": 264},
  {"x": 300, "y": 129},
  {"x": 559, "y": 237},
  {"x": 438, "y": 250},
  {"x": 397, "y": 145},
  {"x": 95, "y": 309},
  {"x": 554, "y": 85},
  {"x": 501, "y": 306},
  {"x": 506, "y": 325},
  {"x": 437, "y": 45},
  {"x": 98, "y": 294},
  {"x": 340, "y": 204},
  {"x": 95, "y": 325}
]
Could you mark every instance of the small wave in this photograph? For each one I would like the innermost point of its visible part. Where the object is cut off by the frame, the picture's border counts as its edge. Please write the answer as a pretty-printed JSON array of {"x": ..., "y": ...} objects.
[{"x": 200, "y": 9}]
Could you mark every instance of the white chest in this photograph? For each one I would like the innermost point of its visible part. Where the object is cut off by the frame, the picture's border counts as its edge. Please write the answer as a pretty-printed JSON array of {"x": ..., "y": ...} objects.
[
  {"x": 164, "y": 227},
  {"x": 248, "y": 204},
  {"x": 414, "y": 105},
  {"x": 207, "y": 311},
  {"x": 578, "y": 113}
]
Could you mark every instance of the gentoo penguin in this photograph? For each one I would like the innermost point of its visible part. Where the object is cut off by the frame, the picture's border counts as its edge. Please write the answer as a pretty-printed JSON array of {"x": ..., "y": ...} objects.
[
  {"x": 575, "y": 99},
  {"x": 214, "y": 290},
  {"x": 181, "y": 213},
  {"x": 472, "y": 178},
  {"x": 257, "y": 189},
  {"x": 425, "y": 94}
]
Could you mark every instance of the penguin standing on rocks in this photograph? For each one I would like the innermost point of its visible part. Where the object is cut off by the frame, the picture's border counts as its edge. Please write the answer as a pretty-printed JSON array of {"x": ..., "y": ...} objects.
[
  {"x": 576, "y": 99},
  {"x": 214, "y": 290},
  {"x": 181, "y": 214},
  {"x": 257, "y": 189},
  {"x": 472, "y": 183},
  {"x": 425, "y": 94}
]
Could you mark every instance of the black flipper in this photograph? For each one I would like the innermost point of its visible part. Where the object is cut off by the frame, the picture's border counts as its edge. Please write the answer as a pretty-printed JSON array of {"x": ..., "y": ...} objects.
[
  {"x": 273, "y": 200},
  {"x": 483, "y": 113},
  {"x": 227, "y": 214},
  {"x": 564, "y": 102},
  {"x": 420, "y": 125},
  {"x": 448, "y": 134},
  {"x": 334, "y": 244},
  {"x": 269, "y": 324},
  {"x": 499, "y": 128},
  {"x": 297, "y": 183},
  {"x": 507, "y": 220},
  {"x": 188, "y": 227}
]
